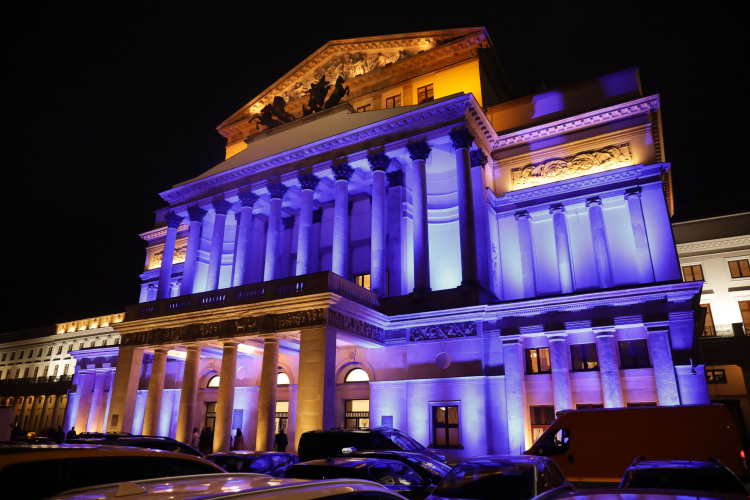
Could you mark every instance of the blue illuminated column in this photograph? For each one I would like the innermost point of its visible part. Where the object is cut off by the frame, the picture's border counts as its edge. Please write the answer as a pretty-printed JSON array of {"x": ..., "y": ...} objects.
[
  {"x": 462, "y": 140},
  {"x": 84, "y": 390},
  {"x": 340, "y": 251},
  {"x": 225, "y": 400},
  {"x": 558, "y": 352},
  {"x": 419, "y": 152},
  {"x": 479, "y": 200},
  {"x": 642, "y": 252},
  {"x": 378, "y": 164},
  {"x": 526, "y": 243},
  {"x": 96, "y": 411},
  {"x": 155, "y": 393},
  {"x": 609, "y": 369},
  {"x": 515, "y": 393},
  {"x": 238, "y": 225},
  {"x": 221, "y": 208},
  {"x": 243, "y": 250},
  {"x": 661, "y": 357},
  {"x": 196, "y": 215},
  {"x": 564, "y": 268},
  {"x": 396, "y": 250},
  {"x": 165, "y": 273},
  {"x": 599, "y": 236},
  {"x": 309, "y": 183},
  {"x": 125, "y": 389},
  {"x": 273, "y": 243}
]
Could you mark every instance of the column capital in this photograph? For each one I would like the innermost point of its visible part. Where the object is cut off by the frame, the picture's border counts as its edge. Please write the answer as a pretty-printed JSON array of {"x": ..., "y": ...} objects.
[
  {"x": 173, "y": 220},
  {"x": 221, "y": 207},
  {"x": 557, "y": 208},
  {"x": 593, "y": 201},
  {"x": 277, "y": 190},
  {"x": 557, "y": 335},
  {"x": 633, "y": 192},
  {"x": 604, "y": 331},
  {"x": 478, "y": 158},
  {"x": 419, "y": 150},
  {"x": 379, "y": 161},
  {"x": 522, "y": 215},
  {"x": 237, "y": 217},
  {"x": 196, "y": 213},
  {"x": 309, "y": 181},
  {"x": 230, "y": 343},
  {"x": 342, "y": 172},
  {"x": 248, "y": 198},
  {"x": 461, "y": 138},
  {"x": 395, "y": 178}
]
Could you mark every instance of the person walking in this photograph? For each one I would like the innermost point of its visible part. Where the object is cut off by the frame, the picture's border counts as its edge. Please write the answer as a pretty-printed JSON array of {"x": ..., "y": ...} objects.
[
  {"x": 281, "y": 440},
  {"x": 59, "y": 435},
  {"x": 195, "y": 441},
  {"x": 71, "y": 434},
  {"x": 239, "y": 441}
]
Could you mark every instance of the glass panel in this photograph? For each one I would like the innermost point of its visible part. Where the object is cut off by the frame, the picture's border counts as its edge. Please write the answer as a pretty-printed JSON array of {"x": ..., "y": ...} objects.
[
  {"x": 626, "y": 358},
  {"x": 282, "y": 379},
  {"x": 698, "y": 273},
  {"x": 688, "y": 272},
  {"x": 453, "y": 415},
  {"x": 405, "y": 476},
  {"x": 282, "y": 406},
  {"x": 531, "y": 361},
  {"x": 357, "y": 375},
  {"x": 359, "y": 405},
  {"x": 592, "y": 360},
  {"x": 734, "y": 269},
  {"x": 440, "y": 437},
  {"x": 474, "y": 480},
  {"x": 544, "y": 364},
  {"x": 576, "y": 357},
  {"x": 440, "y": 414},
  {"x": 211, "y": 407},
  {"x": 453, "y": 436},
  {"x": 641, "y": 354},
  {"x": 351, "y": 423},
  {"x": 214, "y": 382},
  {"x": 744, "y": 268}
]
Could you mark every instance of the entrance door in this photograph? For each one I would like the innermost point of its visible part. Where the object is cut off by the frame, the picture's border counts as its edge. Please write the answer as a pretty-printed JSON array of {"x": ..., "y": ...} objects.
[
  {"x": 211, "y": 415},
  {"x": 357, "y": 413}
]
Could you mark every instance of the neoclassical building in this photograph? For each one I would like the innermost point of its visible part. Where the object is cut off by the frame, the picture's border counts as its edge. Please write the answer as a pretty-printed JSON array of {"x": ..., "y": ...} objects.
[{"x": 415, "y": 247}]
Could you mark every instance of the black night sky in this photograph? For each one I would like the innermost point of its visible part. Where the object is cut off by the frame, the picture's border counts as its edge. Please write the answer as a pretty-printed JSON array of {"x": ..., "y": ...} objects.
[{"x": 107, "y": 104}]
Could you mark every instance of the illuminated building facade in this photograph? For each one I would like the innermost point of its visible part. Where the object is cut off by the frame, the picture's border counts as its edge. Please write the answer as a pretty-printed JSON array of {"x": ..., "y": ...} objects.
[{"x": 429, "y": 254}]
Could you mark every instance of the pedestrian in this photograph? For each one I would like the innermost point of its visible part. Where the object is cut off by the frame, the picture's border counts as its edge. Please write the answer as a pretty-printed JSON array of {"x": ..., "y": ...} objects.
[
  {"x": 203, "y": 446},
  {"x": 210, "y": 438},
  {"x": 59, "y": 435},
  {"x": 281, "y": 440},
  {"x": 239, "y": 441},
  {"x": 195, "y": 442},
  {"x": 71, "y": 434}
]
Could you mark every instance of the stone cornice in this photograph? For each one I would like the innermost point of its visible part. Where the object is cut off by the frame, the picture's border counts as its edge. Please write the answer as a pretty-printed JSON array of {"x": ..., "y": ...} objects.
[
  {"x": 717, "y": 244},
  {"x": 161, "y": 232},
  {"x": 578, "y": 122}
]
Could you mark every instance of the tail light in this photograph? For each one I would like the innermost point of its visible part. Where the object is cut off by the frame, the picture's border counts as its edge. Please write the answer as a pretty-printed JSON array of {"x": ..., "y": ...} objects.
[{"x": 743, "y": 461}]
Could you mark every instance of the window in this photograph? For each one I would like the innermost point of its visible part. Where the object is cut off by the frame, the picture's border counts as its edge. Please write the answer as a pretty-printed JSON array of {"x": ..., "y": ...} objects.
[
  {"x": 31, "y": 353},
  {"x": 363, "y": 280},
  {"x": 282, "y": 415},
  {"x": 357, "y": 375},
  {"x": 739, "y": 268},
  {"x": 26, "y": 373},
  {"x": 104, "y": 343},
  {"x": 282, "y": 379},
  {"x": 382, "y": 474},
  {"x": 708, "y": 325},
  {"x": 744, "y": 311},
  {"x": 393, "y": 102},
  {"x": 541, "y": 418},
  {"x": 357, "y": 413},
  {"x": 636, "y": 405},
  {"x": 59, "y": 349},
  {"x": 588, "y": 407},
  {"x": 18, "y": 372},
  {"x": 46, "y": 369},
  {"x": 548, "y": 478},
  {"x": 404, "y": 475},
  {"x": 634, "y": 354},
  {"x": 54, "y": 372},
  {"x": 260, "y": 465},
  {"x": 70, "y": 347},
  {"x": 12, "y": 355},
  {"x": 214, "y": 382},
  {"x": 425, "y": 94},
  {"x": 40, "y": 352},
  {"x": 693, "y": 273},
  {"x": 36, "y": 372},
  {"x": 584, "y": 357},
  {"x": 65, "y": 370},
  {"x": 361, "y": 109},
  {"x": 537, "y": 360},
  {"x": 4, "y": 355},
  {"x": 445, "y": 426},
  {"x": 117, "y": 341},
  {"x": 49, "y": 351},
  {"x": 716, "y": 377},
  {"x": 20, "y": 356}
]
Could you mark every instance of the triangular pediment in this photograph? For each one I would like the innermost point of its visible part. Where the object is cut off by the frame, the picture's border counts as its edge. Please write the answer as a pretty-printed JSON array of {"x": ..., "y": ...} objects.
[{"x": 359, "y": 60}]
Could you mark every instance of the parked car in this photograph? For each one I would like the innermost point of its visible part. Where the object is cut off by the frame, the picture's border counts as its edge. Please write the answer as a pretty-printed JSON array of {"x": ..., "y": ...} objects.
[
  {"x": 236, "y": 487},
  {"x": 37, "y": 471},
  {"x": 32, "y": 440},
  {"x": 598, "y": 445},
  {"x": 314, "y": 445},
  {"x": 149, "y": 442},
  {"x": 638, "y": 494},
  {"x": 424, "y": 465},
  {"x": 262, "y": 462},
  {"x": 506, "y": 477},
  {"x": 396, "y": 476},
  {"x": 682, "y": 475}
]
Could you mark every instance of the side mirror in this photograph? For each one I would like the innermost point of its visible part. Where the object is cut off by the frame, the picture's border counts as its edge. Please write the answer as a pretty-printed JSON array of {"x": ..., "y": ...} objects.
[{"x": 348, "y": 450}]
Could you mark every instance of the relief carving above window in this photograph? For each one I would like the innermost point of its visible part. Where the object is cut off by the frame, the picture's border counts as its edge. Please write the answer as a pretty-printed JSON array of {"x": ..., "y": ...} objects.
[{"x": 179, "y": 256}]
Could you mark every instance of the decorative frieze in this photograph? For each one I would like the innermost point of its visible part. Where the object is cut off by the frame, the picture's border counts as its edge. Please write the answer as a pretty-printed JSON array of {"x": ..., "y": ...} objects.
[
  {"x": 299, "y": 319},
  {"x": 590, "y": 162},
  {"x": 179, "y": 257},
  {"x": 443, "y": 332},
  {"x": 355, "y": 326}
]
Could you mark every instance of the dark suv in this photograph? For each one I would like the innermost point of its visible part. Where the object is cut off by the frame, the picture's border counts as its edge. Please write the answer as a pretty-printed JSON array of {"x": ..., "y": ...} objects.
[
  {"x": 314, "y": 445},
  {"x": 710, "y": 476},
  {"x": 149, "y": 442}
]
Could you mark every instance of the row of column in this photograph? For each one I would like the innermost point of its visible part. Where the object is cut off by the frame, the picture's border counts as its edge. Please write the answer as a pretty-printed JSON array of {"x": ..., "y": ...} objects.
[
  {"x": 599, "y": 238},
  {"x": 36, "y": 413},
  {"x": 471, "y": 208},
  {"x": 88, "y": 405}
]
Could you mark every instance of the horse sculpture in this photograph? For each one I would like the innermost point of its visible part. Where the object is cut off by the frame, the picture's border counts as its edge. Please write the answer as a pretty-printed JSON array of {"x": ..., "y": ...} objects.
[
  {"x": 318, "y": 92},
  {"x": 273, "y": 115},
  {"x": 339, "y": 91}
]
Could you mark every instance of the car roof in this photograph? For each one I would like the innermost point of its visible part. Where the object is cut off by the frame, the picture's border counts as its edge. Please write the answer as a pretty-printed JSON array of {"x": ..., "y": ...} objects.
[
  {"x": 347, "y": 462},
  {"x": 643, "y": 494},
  {"x": 243, "y": 453},
  {"x": 32, "y": 452},
  {"x": 401, "y": 453},
  {"x": 217, "y": 486},
  {"x": 363, "y": 430},
  {"x": 675, "y": 464},
  {"x": 504, "y": 459}
]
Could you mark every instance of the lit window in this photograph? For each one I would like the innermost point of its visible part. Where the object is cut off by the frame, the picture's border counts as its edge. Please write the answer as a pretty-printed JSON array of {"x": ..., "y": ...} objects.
[
  {"x": 693, "y": 273},
  {"x": 361, "y": 109},
  {"x": 541, "y": 418},
  {"x": 46, "y": 369},
  {"x": 634, "y": 354},
  {"x": 36, "y": 372},
  {"x": 54, "y": 373},
  {"x": 537, "y": 360},
  {"x": 357, "y": 413},
  {"x": 363, "y": 280},
  {"x": 583, "y": 357},
  {"x": 282, "y": 379},
  {"x": 425, "y": 94},
  {"x": 214, "y": 382},
  {"x": 357, "y": 375},
  {"x": 716, "y": 377},
  {"x": 65, "y": 370},
  {"x": 393, "y": 101},
  {"x": 59, "y": 349},
  {"x": 445, "y": 426},
  {"x": 26, "y": 373},
  {"x": 49, "y": 351},
  {"x": 739, "y": 268}
]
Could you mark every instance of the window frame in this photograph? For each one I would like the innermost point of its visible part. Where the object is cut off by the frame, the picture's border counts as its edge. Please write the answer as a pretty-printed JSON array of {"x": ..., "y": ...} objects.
[
  {"x": 717, "y": 380},
  {"x": 540, "y": 427},
  {"x": 739, "y": 269},
  {"x": 527, "y": 359},
  {"x": 632, "y": 342},
  {"x": 364, "y": 107},
  {"x": 430, "y": 90},
  {"x": 692, "y": 272},
  {"x": 346, "y": 377},
  {"x": 393, "y": 98},
  {"x": 583, "y": 357},
  {"x": 439, "y": 404},
  {"x": 361, "y": 279}
]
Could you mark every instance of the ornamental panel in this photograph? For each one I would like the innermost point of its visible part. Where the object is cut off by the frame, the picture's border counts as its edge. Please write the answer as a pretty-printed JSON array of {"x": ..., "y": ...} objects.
[
  {"x": 443, "y": 332},
  {"x": 355, "y": 326},
  {"x": 300, "y": 319}
]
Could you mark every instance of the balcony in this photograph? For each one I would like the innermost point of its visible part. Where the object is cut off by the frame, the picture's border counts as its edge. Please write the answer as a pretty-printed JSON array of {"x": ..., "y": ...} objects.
[
  {"x": 38, "y": 380},
  {"x": 724, "y": 331}
]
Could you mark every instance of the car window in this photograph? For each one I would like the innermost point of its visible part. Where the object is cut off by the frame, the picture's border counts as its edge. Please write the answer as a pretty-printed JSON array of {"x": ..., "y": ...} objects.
[
  {"x": 23, "y": 480},
  {"x": 403, "y": 441},
  {"x": 558, "y": 479},
  {"x": 229, "y": 464},
  {"x": 543, "y": 479},
  {"x": 696, "y": 479},
  {"x": 187, "y": 450},
  {"x": 434, "y": 468},
  {"x": 555, "y": 444},
  {"x": 484, "y": 479},
  {"x": 84, "y": 472},
  {"x": 279, "y": 461},
  {"x": 260, "y": 465},
  {"x": 153, "y": 445},
  {"x": 405, "y": 476},
  {"x": 382, "y": 474},
  {"x": 179, "y": 467}
]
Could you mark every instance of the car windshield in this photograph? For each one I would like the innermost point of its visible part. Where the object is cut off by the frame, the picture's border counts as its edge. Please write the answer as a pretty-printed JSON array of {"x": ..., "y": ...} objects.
[
  {"x": 435, "y": 467},
  {"x": 703, "y": 479},
  {"x": 402, "y": 440},
  {"x": 484, "y": 479}
]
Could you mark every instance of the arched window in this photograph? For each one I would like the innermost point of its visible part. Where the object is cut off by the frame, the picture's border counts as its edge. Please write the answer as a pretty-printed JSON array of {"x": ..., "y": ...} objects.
[
  {"x": 357, "y": 375},
  {"x": 214, "y": 382},
  {"x": 9, "y": 402},
  {"x": 282, "y": 379}
]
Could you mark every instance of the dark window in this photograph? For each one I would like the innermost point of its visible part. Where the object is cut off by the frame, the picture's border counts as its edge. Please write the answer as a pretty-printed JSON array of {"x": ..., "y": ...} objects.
[
  {"x": 541, "y": 418},
  {"x": 40, "y": 352},
  {"x": 70, "y": 347},
  {"x": 739, "y": 268},
  {"x": 59, "y": 350},
  {"x": 366, "y": 107},
  {"x": 65, "y": 370},
  {"x": 634, "y": 354},
  {"x": 708, "y": 325},
  {"x": 46, "y": 369},
  {"x": 445, "y": 426},
  {"x": 4, "y": 355},
  {"x": 547, "y": 479},
  {"x": 716, "y": 377},
  {"x": 584, "y": 357},
  {"x": 36, "y": 371},
  {"x": 693, "y": 273},
  {"x": 260, "y": 465},
  {"x": 12, "y": 355},
  {"x": 363, "y": 280},
  {"x": 20, "y": 356},
  {"x": 587, "y": 407},
  {"x": 49, "y": 351},
  {"x": 393, "y": 102},
  {"x": 405, "y": 476},
  {"x": 382, "y": 474},
  {"x": 537, "y": 360},
  {"x": 425, "y": 94}
]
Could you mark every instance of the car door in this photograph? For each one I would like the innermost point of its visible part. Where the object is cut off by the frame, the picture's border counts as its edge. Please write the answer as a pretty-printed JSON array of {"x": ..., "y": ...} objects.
[
  {"x": 548, "y": 477},
  {"x": 408, "y": 483}
]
